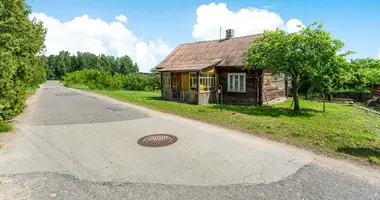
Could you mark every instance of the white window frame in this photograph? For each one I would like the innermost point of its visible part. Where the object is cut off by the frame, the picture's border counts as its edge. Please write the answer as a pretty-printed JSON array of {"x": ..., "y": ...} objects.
[
  {"x": 208, "y": 82},
  {"x": 233, "y": 89},
  {"x": 193, "y": 82},
  {"x": 281, "y": 78},
  {"x": 166, "y": 79}
]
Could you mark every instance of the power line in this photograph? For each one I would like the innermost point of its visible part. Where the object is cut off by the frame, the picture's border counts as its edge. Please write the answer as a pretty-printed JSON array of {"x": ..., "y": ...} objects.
[{"x": 30, "y": 3}]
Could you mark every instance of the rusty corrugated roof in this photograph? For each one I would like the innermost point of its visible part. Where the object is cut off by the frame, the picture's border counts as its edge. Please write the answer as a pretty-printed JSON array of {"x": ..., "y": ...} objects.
[{"x": 199, "y": 55}]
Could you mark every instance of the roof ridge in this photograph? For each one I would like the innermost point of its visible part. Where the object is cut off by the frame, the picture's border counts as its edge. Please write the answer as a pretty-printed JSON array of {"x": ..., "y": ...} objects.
[{"x": 222, "y": 39}]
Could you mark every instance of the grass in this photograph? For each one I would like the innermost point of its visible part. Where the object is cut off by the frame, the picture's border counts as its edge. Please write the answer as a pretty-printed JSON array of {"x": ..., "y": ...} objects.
[
  {"x": 4, "y": 127},
  {"x": 374, "y": 160},
  {"x": 343, "y": 131}
]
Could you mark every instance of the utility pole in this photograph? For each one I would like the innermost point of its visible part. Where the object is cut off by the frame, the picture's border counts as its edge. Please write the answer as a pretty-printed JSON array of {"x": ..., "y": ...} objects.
[{"x": 220, "y": 33}]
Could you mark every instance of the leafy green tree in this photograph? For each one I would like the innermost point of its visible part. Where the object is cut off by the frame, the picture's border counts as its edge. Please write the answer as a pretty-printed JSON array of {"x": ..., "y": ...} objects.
[
  {"x": 59, "y": 65},
  {"x": 62, "y": 64},
  {"x": 21, "y": 40},
  {"x": 104, "y": 63},
  {"x": 156, "y": 79},
  {"x": 297, "y": 55},
  {"x": 363, "y": 73},
  {"x": 135, "y": 68},
  {"x": 154, "y": 70},
  {"x": 89, "y": 60},
  {"x": 75, "y": 64},
  {"x": 51, "y": 67},
  {"x": 126, "y": 66},
  {"x": 330, "y": 77}
]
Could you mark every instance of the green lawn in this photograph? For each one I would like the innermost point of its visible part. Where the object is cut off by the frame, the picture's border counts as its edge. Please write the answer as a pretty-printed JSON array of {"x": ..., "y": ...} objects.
[{"x": 342, "y": 131}]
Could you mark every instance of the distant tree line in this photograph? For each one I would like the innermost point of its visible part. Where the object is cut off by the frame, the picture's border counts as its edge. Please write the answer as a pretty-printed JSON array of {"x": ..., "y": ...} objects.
[
  {"x": 57, "y": 66},
  {"x": 102, "y": 80},
  {"x": 100, "y": 72}
]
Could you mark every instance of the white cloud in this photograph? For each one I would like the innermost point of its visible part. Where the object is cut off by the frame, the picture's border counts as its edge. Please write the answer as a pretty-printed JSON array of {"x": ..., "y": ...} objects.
[
  {"x": 99, "y": 37},
  {"x": 159, "y": 47},
  {"x": 121, "y": 18},
  {"x": 378, "y": 54},
  {"x": 294, "y": 25},
  {"x": 246, "y": 21}
]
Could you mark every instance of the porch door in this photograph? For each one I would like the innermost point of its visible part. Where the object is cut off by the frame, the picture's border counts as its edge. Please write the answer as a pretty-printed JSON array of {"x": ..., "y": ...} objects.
[{"x": 176, "y": 85}]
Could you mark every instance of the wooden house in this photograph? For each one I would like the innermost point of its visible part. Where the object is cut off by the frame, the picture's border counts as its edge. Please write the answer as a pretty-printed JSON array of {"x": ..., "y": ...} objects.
[
  {"x": 376, "y": 90},
  {"x": 194, "y": 72}
]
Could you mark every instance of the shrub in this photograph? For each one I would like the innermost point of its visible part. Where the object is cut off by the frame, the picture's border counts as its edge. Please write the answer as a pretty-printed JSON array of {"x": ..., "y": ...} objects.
[
  {"x": 38, "y": 77},
  {"x": 374, "y": 160},
  {"x": 94, "y": 79},
  {"x": 101, "y": 80},
  {"x": 5, "y": 127},
  {"x": 140, "y": 82},
  {"x": 21, "y": 40}
]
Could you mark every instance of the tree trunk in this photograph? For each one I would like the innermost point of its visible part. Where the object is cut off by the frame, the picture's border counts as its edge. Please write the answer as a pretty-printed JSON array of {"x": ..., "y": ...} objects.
[
  {"x": 295, "y": 96},
  {"x": 324, "y": 102}
]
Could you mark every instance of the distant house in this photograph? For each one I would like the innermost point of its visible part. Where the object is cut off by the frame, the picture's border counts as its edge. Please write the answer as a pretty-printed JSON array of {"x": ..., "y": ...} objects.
[
  {"x": 193, "y": 72},
  {"x": 376, "y": 90}
]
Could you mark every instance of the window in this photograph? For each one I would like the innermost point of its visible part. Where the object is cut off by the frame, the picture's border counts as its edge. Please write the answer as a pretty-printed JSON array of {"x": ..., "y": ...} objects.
[
  {"x": 166, "y": 80},
  {"x": 236, "y": 82},
  {"x": 207, "y": 81},
  {"x": 281, "y": 81},
  {"x": 193, "y": 81}
]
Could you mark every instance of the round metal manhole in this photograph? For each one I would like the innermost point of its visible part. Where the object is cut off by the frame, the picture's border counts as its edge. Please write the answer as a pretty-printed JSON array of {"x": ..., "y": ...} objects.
[{"x": 157, "y": 140}]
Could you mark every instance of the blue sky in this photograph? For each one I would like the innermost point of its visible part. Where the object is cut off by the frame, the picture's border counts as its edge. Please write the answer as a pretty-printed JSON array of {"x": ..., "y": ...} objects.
[{"x": 357, "y": 23}]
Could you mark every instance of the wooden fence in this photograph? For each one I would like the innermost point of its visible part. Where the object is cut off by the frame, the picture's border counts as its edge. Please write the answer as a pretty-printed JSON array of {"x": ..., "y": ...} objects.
[
  {"x": 376, "y": 93},
  {"x": 351, "y": 96}
]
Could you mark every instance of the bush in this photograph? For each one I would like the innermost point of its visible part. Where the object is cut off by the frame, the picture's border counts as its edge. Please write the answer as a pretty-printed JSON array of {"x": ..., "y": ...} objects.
[
  {"x": 38, "y": 77},
  {"x": 5, "y": 127},
  {"x": 141, "y": 82},
  {"x": 21, "y": 40},
  {"x": 94, "y": 79},
  {"x": 100, "y": 80},
  {"x": 374, "y": 160}
]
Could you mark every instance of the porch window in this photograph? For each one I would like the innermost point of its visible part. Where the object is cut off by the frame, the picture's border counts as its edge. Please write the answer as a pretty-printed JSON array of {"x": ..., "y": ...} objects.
[
  {"x": 236, "y": 82},
  {"x": 281, "y": 81},
  {"x": 193, "y": 81},
  {"x": 166, "y": 80},
  {"x": 207, "y": 82}
]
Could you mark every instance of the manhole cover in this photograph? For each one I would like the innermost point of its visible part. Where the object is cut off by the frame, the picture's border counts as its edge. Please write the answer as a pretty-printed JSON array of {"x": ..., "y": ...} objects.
[{"x": 158, "y": 140}]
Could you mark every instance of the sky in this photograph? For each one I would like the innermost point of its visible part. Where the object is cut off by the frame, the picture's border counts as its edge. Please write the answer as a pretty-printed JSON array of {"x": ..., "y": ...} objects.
[{"x": 149, "y": 30}]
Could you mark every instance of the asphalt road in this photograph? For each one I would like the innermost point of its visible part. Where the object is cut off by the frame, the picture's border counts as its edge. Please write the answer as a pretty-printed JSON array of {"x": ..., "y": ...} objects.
[{"x": 76, "y": 145}]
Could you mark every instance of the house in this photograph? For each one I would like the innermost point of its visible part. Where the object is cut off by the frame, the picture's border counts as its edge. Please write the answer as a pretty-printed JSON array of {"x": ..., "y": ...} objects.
[
  {"x": 376, "y": 90},
  {"x": 194, "y": 72}
]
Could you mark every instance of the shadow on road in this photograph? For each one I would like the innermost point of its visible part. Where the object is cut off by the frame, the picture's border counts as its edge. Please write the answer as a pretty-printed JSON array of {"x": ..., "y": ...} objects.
[{"x": 360, "y": 151}]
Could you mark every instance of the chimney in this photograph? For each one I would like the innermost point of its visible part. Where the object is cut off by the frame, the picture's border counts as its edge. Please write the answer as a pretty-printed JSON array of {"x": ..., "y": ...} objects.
[{"x": 230, "y": 33}]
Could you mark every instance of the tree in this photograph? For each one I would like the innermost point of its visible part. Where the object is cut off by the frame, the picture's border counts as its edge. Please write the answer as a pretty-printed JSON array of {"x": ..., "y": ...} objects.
[
  {"x": 156, "y": 78},
  {"x": 135, "y": 68},
  {"x": 363, "y": 73},
  {"x": 21, "y": 40},
  {"x": 126, "y": 66},
  {"x": 88, "y": 60},
  {"x": 330, "y": 77},
  {"x": 154, "y": 70},
  {"x": 297, "y": 55},
  {"x": 62, "y": 64},
  {"x": 59, "y": 65}
]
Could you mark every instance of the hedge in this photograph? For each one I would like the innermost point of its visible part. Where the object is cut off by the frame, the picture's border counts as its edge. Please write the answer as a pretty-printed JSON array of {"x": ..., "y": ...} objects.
[{"x": 101, "y": 80}]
